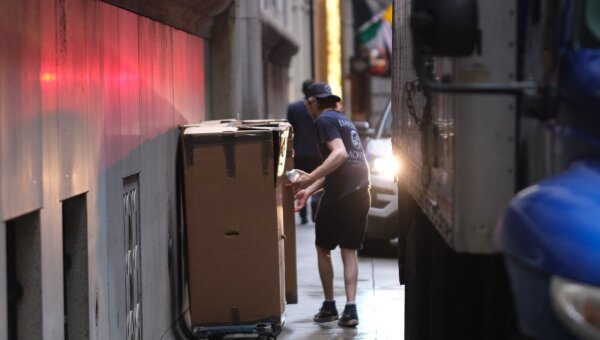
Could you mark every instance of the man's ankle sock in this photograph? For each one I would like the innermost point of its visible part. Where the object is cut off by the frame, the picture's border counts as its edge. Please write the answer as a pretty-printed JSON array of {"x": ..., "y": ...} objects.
[{"x": 329, "y": 303}]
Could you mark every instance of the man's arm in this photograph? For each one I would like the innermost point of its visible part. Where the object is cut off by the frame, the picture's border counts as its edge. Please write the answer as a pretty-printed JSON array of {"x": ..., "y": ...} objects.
[
  {"x": 316, "y": 186},
  {"x": 336, "y": 158}
]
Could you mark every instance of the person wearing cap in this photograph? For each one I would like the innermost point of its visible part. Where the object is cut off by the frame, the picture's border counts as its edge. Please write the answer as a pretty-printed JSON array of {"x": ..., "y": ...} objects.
[
  {"x": 306, "y": 147},
  {"x": 342, "y": 215}
]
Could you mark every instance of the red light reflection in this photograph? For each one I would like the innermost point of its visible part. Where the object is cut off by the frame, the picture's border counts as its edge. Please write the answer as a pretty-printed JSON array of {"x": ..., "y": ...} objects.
[{"x": 48, "y": 77}]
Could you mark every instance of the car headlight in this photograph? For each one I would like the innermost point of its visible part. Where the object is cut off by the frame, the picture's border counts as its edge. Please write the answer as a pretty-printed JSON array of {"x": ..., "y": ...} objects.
[
  {"x": 577, "y": 305},
  {"x": 386, "y": 166}
]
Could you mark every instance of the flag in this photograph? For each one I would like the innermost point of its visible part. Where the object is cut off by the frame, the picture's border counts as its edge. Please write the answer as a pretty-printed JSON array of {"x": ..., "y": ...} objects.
[
  {"x": 377, "y": 32},
  {"x": 376, "y": 38}
]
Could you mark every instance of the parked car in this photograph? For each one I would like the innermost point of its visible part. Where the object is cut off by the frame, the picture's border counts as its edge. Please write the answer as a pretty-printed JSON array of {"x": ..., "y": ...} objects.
[{"x": 382, "y": 228}]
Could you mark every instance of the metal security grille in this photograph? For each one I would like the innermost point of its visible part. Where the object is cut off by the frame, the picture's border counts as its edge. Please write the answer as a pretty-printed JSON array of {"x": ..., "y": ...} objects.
[{"x": 132, "y": 259}]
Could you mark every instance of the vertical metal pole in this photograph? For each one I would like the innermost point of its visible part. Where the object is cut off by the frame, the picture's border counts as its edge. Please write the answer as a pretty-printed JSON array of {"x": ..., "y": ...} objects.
[{"x": 312, "y": 38}]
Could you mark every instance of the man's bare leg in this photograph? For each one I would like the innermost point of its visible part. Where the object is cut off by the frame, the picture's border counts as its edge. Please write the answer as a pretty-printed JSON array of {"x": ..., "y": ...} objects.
[
  {"x": 325, "y": 271},
  {"x": 328, "y": 311},
  {"x": 350, "y": 316},
  {"x": 350, "y": 272}
]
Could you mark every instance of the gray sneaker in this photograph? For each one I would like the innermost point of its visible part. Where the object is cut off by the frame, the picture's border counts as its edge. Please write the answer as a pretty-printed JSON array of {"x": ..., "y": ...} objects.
[{"x": 349, "y": 317}]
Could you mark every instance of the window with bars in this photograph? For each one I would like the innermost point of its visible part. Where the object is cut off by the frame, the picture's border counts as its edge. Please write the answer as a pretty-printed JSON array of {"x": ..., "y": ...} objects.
[{"x": 133, "y": 276}]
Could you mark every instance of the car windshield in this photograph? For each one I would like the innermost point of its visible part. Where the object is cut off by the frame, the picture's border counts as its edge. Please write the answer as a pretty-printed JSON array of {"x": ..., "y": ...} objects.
[{"x": 385, "y": 125}]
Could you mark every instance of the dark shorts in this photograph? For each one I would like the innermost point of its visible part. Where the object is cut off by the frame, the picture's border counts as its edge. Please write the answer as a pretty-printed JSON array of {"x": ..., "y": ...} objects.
[{"x": 343, "y": 222}]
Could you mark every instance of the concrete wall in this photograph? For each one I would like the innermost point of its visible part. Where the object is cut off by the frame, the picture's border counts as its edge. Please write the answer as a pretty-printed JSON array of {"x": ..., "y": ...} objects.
[
  {"x": 300, "y": 67},
  {"x": 250, "y": 52},
  {"x": 347, "y": 53}
]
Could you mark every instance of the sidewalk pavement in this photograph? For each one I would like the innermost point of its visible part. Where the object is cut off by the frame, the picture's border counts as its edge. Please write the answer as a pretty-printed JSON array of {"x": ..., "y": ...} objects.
[{"x": 380, "y": 298}]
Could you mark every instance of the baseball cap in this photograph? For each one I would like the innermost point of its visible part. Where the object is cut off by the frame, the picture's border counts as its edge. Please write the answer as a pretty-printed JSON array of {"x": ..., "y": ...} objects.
[{"x": 321, "y": 90}]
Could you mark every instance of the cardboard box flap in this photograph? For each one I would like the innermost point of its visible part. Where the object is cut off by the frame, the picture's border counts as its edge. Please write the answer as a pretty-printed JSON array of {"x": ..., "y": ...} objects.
[
  {"x": 281, "y": 133},
  {"x": 228, "y": 137},
  {"x": 213, "y": 131},
  {"x": 219, "y": 122},
  {"x": 263, "y": 121}
]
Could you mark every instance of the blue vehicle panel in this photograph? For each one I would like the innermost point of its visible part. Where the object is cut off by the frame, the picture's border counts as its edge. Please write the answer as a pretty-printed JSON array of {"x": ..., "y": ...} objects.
[{"x": 555, "y": 225}]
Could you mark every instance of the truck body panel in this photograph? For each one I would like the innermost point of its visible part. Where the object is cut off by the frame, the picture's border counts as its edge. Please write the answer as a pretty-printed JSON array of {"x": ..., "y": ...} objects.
[{"x": 458, "y": 150}]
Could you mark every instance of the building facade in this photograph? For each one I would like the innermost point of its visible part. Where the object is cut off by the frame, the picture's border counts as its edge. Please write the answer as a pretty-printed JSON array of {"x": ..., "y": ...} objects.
[
  {"x": 250, "y": 50},
  {"x": 91, "y": 97}
]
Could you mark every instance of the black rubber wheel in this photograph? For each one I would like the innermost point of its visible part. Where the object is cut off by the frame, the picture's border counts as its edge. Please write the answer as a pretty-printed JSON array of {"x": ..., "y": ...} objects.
[{"x": 418, "y": 279}]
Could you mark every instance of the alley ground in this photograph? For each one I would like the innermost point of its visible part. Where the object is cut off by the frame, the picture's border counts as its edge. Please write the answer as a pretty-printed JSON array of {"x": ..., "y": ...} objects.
[{"x": 380, "y": 298}]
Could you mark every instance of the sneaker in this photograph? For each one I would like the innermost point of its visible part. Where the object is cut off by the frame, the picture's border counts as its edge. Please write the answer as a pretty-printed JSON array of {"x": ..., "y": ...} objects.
[
  {"x": 327, "y": 313},
  {"x": 349, "y": 317}
]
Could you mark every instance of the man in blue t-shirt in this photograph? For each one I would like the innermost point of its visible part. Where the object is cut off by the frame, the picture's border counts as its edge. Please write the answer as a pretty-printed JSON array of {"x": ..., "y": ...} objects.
[
  {"x": 342, "y": 215},
  {"x": 306, "y": 147}
]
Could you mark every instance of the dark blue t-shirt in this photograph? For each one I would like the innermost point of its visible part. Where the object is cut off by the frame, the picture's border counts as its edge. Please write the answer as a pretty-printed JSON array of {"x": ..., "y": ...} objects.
[
  {"x": 305, "y": 135},
  {"x": 353, "y": 175}
]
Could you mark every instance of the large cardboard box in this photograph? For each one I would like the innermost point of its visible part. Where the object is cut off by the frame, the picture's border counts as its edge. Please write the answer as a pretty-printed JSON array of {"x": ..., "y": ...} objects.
[
  {"x": 234, "y": 223},
  {"x": 289, "y": 227},
  {"x": 282, "y": 127}
]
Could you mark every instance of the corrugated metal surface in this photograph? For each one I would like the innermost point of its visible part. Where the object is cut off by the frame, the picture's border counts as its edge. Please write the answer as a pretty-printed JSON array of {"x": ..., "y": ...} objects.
[
  {"x": 188, "y": 94},
  {"x": 50, "y": 216},
  {"x": 129, "y": 91},
  {"x": 111, "y": 173},
  {"x": 156, "y": 194},
  {"x": 20, "y": 107},
  {"x": 73, "y": 95},
  {"x": 91, "y": 94}
]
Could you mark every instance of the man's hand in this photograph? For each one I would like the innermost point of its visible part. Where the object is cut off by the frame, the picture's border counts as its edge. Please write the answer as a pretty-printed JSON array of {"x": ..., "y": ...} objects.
[
  {"x": 303, "y": 182},
  {"x": 301, "y": 198}
]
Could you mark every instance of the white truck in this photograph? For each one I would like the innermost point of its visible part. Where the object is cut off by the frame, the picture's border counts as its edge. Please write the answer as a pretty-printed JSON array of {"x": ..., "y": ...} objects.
[{"x": 476, "y": 118}]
